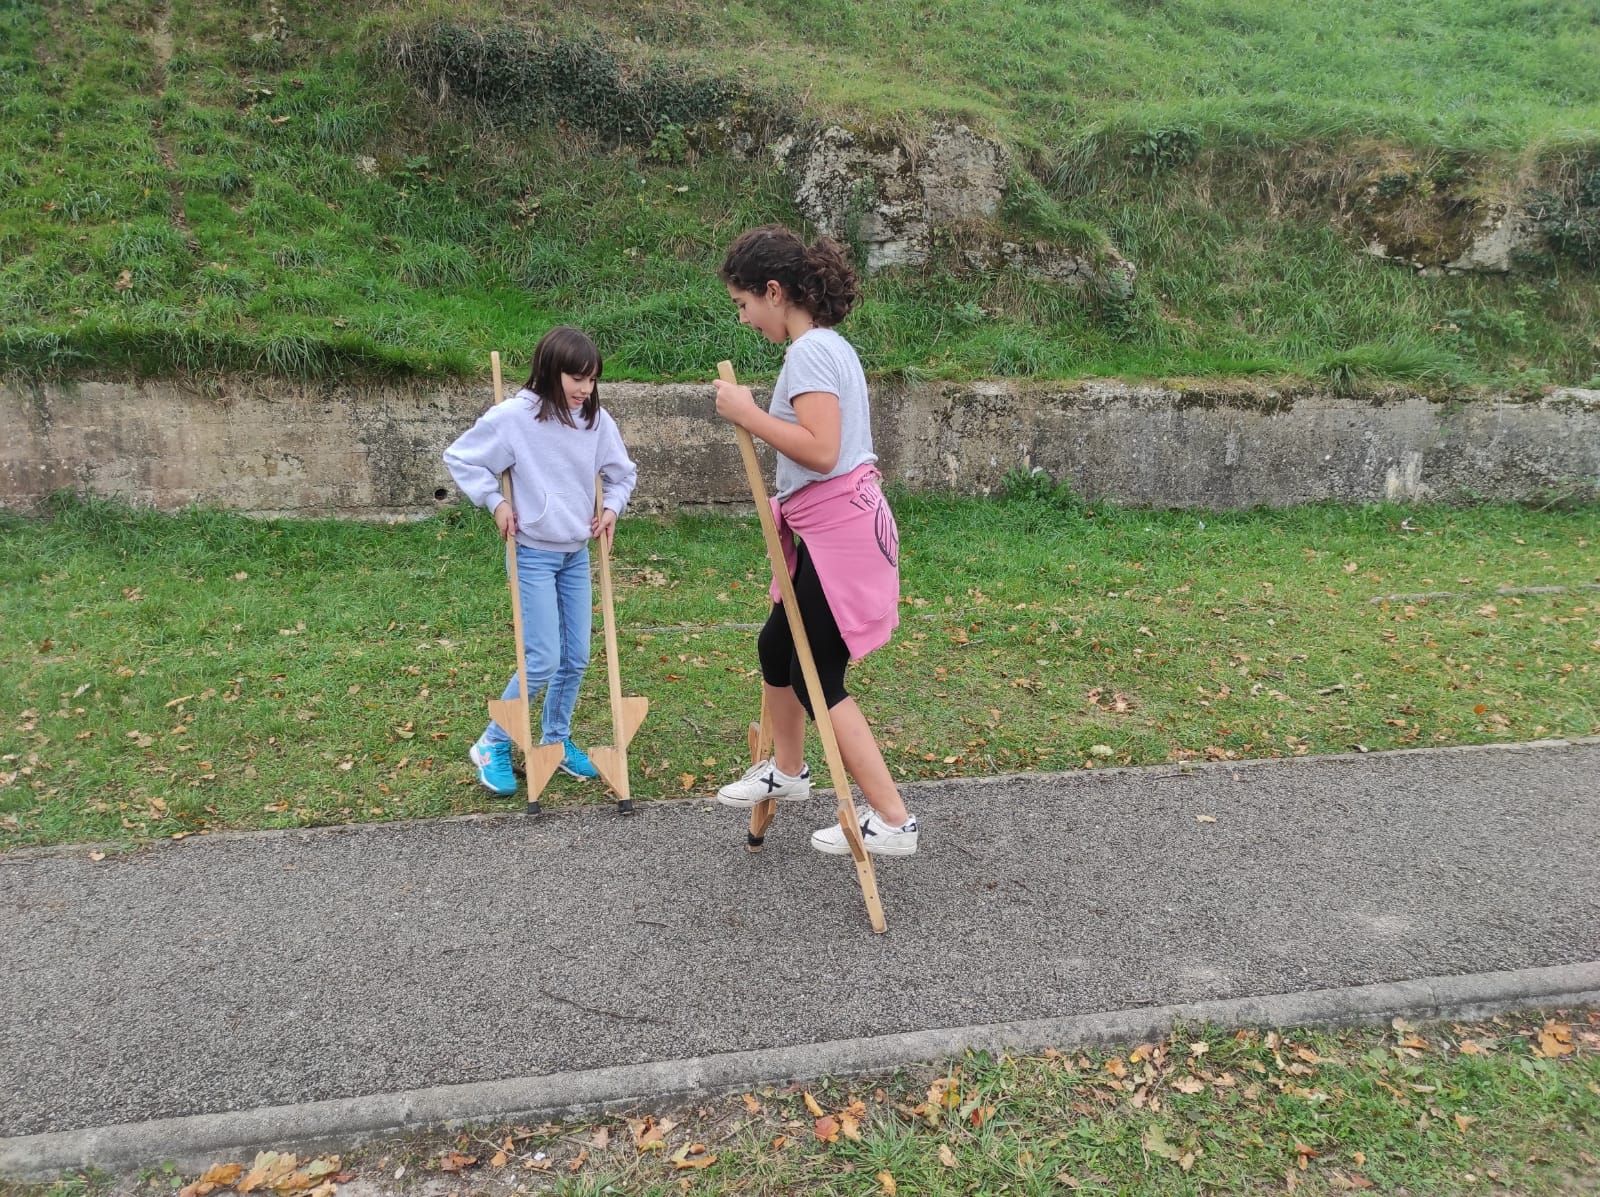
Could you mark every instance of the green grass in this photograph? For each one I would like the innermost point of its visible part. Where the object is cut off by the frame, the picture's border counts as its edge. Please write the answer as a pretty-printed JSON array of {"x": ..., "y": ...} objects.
[
  {"x": 172, "y": 675},
  {"x": 214, "y": 215},
  {"x": 1439, "y": 1109}
]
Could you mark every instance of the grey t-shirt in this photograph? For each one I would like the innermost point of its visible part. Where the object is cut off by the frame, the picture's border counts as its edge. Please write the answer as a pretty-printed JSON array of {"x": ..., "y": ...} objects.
[{"x": 822, "y": 360}]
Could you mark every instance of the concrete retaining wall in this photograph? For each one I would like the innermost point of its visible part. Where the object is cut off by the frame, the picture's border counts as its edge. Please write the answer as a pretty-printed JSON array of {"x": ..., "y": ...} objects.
[{"x": 373, "y": 450}]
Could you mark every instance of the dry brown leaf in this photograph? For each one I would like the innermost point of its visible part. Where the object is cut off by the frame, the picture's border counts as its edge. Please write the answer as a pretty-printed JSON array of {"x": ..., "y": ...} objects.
[
  {"x": 946, "y": 1156},
  {"x": 1555, "y": 1040},
  {"x": 813, "y": 1107},
  {"x": 1116, "y": 1068},
  {"x": 457, "y": 1161},
  {"x": 601, "y": 1139},
  {"x": 886, "y": 1184},
  {"x": 692, "y": 1156},
  {"x": 269, "y": 1167},
  {"x": 945, "y": 1092},
  {"x": 1188, "y": 1084},
  {"x": 218, "y": 1176},
  {"x": 579, "y": 1160},
  {"x": 498, "y": 1160},
  {"x": 751, "y": 1103},
  {"x": 826, "y": 1129},
  {"x": 1463, "y": 1121},
  {"x": 648, "y": 1134},
  {"x": 1199, "y": 1049}
]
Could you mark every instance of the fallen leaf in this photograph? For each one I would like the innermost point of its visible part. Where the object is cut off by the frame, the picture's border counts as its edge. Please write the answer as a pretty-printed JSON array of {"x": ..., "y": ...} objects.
[
  {"x": 579, "y": 1160},
  {"x": 1555, "y": 1040},
  {"x": 601, "y": 1139},
  {"x": 887, "y": 1185},
  {"x": 692, "y": 1156},
  {"x": 1116, "y": 1068},
  {"x": 216, "y": 1177},
  {"x": 812, "y": 1106},
  {"x": 751, "y": 1103},
  {"x": 826, "y": 1129},
  {"x": 498, "y": 1160},
  {"x": 457, "y": 1161},
  {"x": 946, "y": 1156},
  {"x": 1155, "y": 1142},
  {"x": 1463, "y": 1121},
  {"x": 268, "y": 1168},
  {"x": 943, "y": 1094},
  {"x": 1188, "y": 1084},
  {"x": 1199, "y": 1048},
  {"x": 850, "y": 1120},
  {"x": 648, "y": 1134}
]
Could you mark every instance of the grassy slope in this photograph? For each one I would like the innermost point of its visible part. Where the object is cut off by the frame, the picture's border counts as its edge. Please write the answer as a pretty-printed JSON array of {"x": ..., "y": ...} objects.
[{"x": 226, "y": 186}]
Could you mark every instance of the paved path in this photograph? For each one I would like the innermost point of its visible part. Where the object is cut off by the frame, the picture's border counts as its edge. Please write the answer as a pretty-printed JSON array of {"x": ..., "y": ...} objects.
[{"x": 234, "y": 972}]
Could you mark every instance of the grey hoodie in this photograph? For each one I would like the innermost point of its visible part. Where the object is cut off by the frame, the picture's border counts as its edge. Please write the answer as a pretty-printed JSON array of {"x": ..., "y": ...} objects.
[{"x": 552, "y": 469}]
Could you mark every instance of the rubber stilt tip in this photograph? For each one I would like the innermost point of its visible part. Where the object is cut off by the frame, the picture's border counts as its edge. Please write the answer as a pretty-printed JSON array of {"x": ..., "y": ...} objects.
[
  {"x": 624, "y": 806},
  {"x": 754, "y": 842},
  {"x": 533, "y": 808}
]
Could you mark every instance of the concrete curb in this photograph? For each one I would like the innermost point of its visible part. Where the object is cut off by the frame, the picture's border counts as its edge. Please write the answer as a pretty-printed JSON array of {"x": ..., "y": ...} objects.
[
  {"x": 198, "y": 1140},
  {"x": 607, "y": 809}
]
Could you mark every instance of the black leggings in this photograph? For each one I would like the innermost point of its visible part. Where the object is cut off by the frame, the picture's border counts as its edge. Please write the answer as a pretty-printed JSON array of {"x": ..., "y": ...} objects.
[{"x": 780, "y": 664}]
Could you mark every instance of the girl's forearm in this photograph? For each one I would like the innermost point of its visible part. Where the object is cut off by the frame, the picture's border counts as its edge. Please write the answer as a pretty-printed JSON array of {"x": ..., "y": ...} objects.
[{"x": 794, "y": 441}]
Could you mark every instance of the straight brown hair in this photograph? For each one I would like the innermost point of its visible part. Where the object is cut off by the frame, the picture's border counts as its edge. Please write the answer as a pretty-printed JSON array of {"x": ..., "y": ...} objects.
[{"x": 565, "y": 350}]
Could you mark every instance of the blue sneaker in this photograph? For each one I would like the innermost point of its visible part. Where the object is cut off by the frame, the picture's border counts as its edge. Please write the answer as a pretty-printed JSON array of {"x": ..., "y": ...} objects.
[
  {"x": 575, "y": 762},
  {"x": 493, "y": 759}
]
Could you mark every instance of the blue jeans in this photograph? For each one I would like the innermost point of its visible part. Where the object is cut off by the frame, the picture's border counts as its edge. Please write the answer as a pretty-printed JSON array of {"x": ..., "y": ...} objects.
[{"x": 557, "y": 613}]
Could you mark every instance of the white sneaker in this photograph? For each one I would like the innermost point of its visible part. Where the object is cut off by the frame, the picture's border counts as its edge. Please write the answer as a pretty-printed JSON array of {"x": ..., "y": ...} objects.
[
  {"x": 877, "y": 836},
  {"x": 763, "y": 781}
]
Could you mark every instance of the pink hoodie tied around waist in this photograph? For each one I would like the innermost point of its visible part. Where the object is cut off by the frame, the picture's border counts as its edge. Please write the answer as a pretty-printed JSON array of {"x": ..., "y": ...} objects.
[{"x": 855, "y": 545}]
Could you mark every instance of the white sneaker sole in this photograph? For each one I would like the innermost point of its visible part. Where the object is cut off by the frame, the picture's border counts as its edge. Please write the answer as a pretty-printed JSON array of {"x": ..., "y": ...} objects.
[
  {"x": 741, "y": 803},
  {"x": 841, "y": 847}
]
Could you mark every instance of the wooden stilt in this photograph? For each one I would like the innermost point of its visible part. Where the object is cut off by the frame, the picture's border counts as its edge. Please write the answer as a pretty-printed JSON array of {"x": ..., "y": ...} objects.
[
  {"x": 514, "y": 714},
  {"x": 762, "y": 812},
  {"x": 626, "y": 713},
  {"x": 848, "y": 821}
]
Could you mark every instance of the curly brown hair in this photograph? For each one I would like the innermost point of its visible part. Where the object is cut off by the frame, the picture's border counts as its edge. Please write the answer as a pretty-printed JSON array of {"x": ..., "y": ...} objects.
[{"x": 818, "y": 277}]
